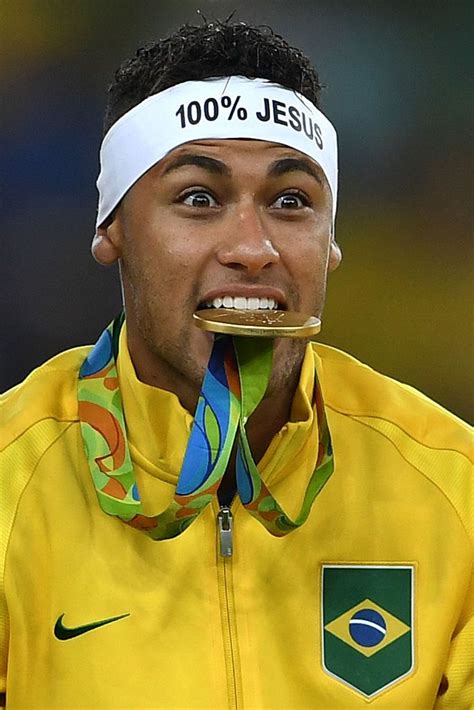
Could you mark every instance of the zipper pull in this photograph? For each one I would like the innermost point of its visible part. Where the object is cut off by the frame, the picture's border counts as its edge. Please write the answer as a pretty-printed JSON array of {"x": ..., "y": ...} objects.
[{"x": 224, "y": 521}]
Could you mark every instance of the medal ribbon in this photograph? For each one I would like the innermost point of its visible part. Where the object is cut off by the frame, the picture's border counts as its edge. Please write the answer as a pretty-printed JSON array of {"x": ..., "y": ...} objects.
[{"x": 235, "y": 382}]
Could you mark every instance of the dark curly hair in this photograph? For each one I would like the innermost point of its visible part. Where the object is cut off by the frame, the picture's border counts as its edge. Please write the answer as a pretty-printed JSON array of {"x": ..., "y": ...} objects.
[{"x": 211, "y": 50}]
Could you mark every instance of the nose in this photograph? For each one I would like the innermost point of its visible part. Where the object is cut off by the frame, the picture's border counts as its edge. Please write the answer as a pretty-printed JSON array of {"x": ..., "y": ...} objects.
[{"x": 247, "y": 246}]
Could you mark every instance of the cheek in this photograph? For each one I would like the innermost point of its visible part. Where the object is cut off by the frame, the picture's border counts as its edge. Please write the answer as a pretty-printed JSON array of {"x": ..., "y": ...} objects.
[
  {"x": 307, "y": 261},
  {"x": 306, "y": 253},
  {"x": 172, "y": 255}
]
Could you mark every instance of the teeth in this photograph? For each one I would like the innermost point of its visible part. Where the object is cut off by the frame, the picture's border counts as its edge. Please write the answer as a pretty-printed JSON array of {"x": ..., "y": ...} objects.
[{"x": 242, "y": 303}]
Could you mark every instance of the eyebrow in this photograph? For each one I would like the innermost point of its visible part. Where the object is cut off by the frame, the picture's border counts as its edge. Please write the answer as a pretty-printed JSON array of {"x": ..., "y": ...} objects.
[
  {"x": 216, "y": 167},
  {"x": 289, "y": 165}
]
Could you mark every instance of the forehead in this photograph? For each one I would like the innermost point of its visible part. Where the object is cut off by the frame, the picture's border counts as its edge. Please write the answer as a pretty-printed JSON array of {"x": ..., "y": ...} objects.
[{"x": 247, "y": 145}]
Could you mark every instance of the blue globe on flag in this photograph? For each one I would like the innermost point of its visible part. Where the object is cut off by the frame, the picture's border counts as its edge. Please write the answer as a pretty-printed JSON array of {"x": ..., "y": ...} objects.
[{"x": 367, "y": 627}]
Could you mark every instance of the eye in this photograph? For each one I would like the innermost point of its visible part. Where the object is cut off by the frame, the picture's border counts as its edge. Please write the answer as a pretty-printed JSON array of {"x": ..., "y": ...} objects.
[
  {"x": 291, "y": 201},
  {"x": 198, "y": 198}
]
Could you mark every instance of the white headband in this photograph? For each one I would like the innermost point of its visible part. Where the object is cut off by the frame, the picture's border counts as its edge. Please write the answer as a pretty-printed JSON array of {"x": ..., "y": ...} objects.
[{"x": 229, "y": 107}]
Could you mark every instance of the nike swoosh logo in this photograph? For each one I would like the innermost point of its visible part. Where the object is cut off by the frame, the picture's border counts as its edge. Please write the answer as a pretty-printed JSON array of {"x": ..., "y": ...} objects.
[{"x": 63, "y": 633}]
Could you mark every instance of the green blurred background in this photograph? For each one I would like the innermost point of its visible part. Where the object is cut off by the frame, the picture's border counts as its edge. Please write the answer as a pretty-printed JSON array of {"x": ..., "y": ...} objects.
[{"x": 399, "y": 90}]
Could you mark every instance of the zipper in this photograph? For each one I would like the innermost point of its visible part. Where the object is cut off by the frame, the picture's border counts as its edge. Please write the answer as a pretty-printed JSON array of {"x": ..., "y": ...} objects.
[
  {"x": 224, "y": 572},
  {"x": 224, "y": 525}
]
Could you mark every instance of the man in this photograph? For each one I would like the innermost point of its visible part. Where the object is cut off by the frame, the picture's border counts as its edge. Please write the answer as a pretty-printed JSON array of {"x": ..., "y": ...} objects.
[{"x": 147, "y": 561}]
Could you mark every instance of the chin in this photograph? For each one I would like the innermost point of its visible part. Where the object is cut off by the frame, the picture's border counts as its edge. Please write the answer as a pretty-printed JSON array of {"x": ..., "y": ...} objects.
[{"x": 188, "y": 353}]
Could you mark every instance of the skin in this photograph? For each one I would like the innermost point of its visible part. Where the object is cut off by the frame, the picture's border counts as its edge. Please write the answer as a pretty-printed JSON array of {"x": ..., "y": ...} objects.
[{"x": 248, "y": 219}]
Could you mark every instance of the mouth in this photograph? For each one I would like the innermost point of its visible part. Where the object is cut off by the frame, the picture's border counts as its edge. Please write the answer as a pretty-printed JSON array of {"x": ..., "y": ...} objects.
[
  {"x": 253, "y": 298},
  {"x": 243, "y": 303}
]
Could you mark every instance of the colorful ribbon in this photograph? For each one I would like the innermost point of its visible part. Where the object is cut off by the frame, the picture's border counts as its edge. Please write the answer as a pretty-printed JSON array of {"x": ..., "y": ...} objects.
[{"x": 235, "y": 382}]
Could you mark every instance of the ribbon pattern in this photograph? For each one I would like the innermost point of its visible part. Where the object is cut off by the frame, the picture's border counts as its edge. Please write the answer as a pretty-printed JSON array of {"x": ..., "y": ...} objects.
[{"x": 235, "y": 382}]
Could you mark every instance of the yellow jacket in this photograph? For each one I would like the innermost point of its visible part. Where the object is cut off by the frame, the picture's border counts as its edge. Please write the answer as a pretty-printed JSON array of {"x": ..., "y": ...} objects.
[{"x": 368, "y": 602}]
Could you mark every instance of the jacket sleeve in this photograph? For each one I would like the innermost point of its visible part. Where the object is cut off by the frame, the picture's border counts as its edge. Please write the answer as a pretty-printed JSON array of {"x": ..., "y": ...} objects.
[
  {"x": 4, "y": 624},
  {"x": 457, "y": 686},
  {"x": 3, "y": 655}
]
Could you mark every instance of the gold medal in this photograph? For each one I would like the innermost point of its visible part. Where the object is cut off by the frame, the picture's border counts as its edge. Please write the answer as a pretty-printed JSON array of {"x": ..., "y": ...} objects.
[{"x": 260, "y": 324}]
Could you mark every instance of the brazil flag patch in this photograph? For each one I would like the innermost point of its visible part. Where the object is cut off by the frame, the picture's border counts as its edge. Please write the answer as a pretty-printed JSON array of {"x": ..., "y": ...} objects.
[{"x": 367, "y": 624}]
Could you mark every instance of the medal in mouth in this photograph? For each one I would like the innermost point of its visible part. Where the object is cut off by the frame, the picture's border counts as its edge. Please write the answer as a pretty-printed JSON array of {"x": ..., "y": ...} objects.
[
  {"x": 257, "y": 323},
  {"x": 255, "y": 315}
]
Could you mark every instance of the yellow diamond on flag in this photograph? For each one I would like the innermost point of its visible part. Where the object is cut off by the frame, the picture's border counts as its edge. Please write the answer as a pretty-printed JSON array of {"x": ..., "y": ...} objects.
[{"x": 367, "y": 627}]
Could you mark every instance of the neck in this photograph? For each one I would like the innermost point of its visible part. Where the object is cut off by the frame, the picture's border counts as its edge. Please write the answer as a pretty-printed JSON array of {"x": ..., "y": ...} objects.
[
  {"x": 157, "y": 372},
  {"x": 270, "y": 416}
]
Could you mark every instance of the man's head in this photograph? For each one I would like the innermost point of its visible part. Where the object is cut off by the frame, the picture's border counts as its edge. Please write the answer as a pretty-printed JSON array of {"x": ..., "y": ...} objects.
[
  {"x": 216, "y": 218},
  {"x": 215, "y": 49}
]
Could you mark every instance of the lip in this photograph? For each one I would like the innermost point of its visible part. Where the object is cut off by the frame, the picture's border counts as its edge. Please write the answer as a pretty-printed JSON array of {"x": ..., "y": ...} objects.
[{"x": 246, "y": 291}]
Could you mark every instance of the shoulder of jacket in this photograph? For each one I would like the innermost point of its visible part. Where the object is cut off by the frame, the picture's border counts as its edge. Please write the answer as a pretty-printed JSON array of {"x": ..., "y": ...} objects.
[
  {"x": 33, "y": 416},
  {"x": 48, "y": 393},
  {"x": 353, "y": 388},
  {"x": 437, "y": 444}
]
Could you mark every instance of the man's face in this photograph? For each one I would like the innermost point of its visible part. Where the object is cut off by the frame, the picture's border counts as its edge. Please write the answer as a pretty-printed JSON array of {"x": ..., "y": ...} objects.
[{"x": 219, "y": 219}]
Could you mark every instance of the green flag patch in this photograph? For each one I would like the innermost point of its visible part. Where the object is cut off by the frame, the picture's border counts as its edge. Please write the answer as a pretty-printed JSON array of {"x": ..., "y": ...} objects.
[{"x": 367, "y": 624}]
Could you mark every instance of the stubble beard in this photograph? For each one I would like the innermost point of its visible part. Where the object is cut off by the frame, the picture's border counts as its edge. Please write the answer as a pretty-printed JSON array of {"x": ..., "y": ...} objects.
[
  {"x": 170, "y": 349},
  {"x": 173, "y": 350},
  {"x": 176, "y": 354}
]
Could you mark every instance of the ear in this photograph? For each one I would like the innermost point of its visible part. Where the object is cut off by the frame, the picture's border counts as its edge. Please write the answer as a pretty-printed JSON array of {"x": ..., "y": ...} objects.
[
  {"x": 107, "y": 242},
  {"x": 335, "y": 255}
]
